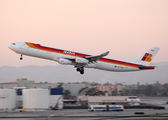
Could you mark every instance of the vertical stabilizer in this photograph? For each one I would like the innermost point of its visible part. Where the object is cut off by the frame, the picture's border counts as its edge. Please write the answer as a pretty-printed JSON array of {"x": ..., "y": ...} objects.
[{"x": 146, "y": 57}]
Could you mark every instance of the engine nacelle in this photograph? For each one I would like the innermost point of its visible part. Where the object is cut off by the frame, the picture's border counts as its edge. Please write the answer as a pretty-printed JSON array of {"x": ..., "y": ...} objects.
[
  {"x": 64, "y": 61},
  {"x": 81, "y": 60}
]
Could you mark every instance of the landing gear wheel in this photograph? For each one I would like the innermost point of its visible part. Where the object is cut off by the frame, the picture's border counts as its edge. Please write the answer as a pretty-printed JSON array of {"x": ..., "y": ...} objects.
[
  {"x": 80, "y": 69},
  {"x": 77, "y": 69},
  {"x": 81, "y": 72}
]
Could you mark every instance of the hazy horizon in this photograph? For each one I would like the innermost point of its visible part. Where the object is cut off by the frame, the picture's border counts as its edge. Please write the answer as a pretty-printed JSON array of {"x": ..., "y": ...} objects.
[{"x": 65, "y": 73}]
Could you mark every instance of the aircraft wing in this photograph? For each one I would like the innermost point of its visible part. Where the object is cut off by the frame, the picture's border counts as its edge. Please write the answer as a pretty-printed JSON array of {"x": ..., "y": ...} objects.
[
  {"x": 90, "y": 59},
  {"x": 93, "y": 58},
  {"x": 96, "y": 57}
]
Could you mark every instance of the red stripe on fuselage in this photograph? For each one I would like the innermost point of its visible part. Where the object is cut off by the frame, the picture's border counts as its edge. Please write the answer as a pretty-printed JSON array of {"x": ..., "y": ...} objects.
[{"x": 38, "y": 46}]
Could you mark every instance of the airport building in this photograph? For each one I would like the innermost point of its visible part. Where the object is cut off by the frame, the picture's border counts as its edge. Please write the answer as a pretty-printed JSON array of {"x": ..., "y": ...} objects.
[{"x": 109, "y": 100}]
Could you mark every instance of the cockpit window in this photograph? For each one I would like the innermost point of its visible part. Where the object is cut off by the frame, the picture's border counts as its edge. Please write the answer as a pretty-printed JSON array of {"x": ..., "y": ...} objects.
[{"x": 13, "y": 44}]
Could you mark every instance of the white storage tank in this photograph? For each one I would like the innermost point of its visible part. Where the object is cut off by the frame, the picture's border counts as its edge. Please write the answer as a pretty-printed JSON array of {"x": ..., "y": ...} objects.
[
  {"x": 7, "y": 99},
  {"x": 35, "y": 98}
]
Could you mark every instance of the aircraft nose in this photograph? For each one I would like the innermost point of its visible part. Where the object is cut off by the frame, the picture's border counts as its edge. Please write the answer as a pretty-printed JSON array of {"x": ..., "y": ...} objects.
[{"x": 10, "y": 46}]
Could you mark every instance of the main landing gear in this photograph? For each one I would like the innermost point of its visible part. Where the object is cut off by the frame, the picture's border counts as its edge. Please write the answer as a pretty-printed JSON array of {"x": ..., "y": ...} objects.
[
  {"x": 81, "y": 70},
  {"x": 21, "y": 58}
]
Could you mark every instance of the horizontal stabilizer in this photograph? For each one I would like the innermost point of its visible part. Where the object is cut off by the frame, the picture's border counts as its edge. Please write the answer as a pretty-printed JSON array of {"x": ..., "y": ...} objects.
[{"x": 141, "y": 67}]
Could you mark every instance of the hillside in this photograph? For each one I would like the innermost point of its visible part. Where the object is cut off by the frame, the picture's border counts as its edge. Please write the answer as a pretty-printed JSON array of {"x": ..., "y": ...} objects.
[{"x": 60, "y": 73}]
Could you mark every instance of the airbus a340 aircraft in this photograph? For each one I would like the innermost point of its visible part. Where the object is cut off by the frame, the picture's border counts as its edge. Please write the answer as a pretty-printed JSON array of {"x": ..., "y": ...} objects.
[{"x": 80, "y": 60}]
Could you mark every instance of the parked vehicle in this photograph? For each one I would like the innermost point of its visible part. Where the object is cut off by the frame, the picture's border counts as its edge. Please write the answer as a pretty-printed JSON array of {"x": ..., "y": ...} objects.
[{"x": 106, "y": 108}]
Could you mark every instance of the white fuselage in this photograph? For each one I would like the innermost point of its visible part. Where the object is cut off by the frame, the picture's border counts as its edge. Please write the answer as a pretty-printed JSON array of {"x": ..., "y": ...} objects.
[{"x": 48, "y": 53}]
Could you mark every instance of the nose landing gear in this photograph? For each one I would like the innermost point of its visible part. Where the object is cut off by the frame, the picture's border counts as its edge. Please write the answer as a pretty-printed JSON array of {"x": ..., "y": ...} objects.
[{"x": 21, "y": 58}]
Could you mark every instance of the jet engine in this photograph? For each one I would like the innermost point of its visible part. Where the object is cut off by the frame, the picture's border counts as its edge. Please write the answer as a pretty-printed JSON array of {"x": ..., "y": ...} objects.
[
  {"x": 81, "y": 60},
  {"x": 64, "y": 61}
]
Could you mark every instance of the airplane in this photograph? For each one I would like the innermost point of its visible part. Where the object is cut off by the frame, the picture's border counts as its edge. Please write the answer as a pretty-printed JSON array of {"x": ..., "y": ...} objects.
[{"x": 81, "y": 60}]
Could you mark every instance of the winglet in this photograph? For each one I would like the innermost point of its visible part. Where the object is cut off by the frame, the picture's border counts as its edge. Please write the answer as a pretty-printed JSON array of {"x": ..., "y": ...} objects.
[{"x": 105, "y": 54}]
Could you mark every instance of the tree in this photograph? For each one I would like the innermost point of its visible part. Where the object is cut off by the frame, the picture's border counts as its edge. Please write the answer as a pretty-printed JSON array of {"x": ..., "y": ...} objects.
[
  {"x": 121, "y": 92},
  {"x": 148, "y": 90},
  {"x": 105, "y": 92},
  {"x": 82, "y": 90},
  {"x": 91, "y": 91},
  {"x": 138, "y": 83},
  {"x": 164, "y": 90},
  {"x": 133, "y": 91},
  {"x": 127, "y": 91},
  {"x": 94, "y": 84},
  {"x": 67, "y": 93},
  {"x": 107, "y": 84},
  {"x": 60, "y": 85},
  {"x": 114, "y": 93},
  {"x": 99, "y": 93}
]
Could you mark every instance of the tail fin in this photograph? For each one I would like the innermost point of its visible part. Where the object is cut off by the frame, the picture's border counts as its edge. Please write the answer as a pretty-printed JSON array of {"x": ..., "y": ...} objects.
[{"x": 146, "y": 57}]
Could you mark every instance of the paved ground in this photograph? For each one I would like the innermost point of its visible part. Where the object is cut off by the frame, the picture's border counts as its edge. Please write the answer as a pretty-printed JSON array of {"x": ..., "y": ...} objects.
[{"x": 83, "y": 114}]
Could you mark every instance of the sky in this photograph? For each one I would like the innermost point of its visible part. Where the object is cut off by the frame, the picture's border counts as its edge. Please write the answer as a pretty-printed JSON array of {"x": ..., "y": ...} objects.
[{"x": 126, "y": 28}]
